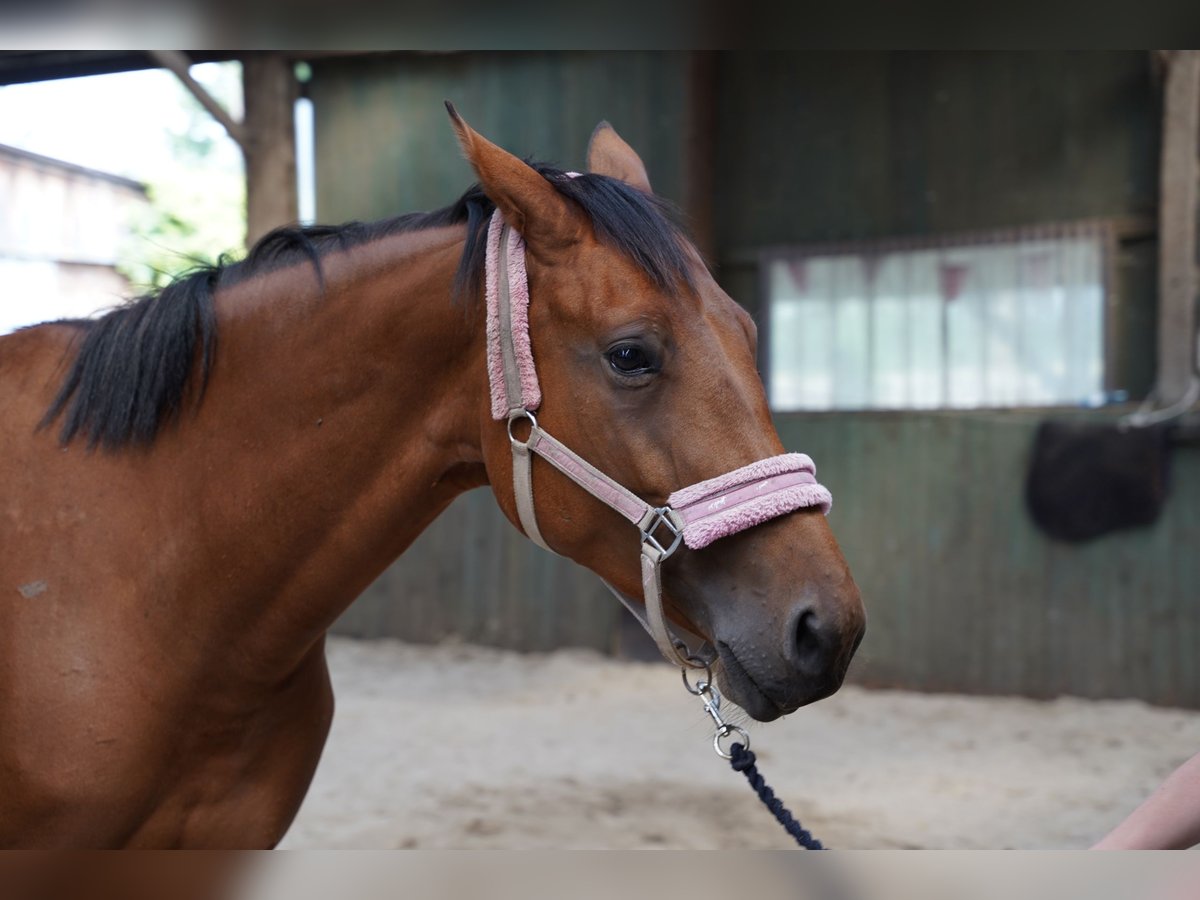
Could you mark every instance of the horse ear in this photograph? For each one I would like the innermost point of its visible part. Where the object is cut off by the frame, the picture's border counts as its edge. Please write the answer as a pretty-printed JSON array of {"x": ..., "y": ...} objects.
[
  {"x": 528, "y": 202},
  {"x": 608, "y": 154}
]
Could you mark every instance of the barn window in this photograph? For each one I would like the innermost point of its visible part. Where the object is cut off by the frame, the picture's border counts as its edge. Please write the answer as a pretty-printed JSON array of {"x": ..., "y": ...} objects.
[{"x": 999, "y": 320}]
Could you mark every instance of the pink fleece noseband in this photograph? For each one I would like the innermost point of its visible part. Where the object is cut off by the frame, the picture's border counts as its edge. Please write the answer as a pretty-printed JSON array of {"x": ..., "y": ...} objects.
[
  {"x": 747, "y": 497},
  {"x": 695, "y": 515}
]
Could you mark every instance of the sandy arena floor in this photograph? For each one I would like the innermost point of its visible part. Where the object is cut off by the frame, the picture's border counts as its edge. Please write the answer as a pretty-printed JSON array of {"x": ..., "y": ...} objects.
[{"x": 459, "y": 746}]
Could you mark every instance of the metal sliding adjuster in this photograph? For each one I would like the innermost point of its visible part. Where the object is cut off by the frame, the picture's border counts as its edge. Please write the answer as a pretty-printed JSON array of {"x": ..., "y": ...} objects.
[{"x": 662, "y": 519}]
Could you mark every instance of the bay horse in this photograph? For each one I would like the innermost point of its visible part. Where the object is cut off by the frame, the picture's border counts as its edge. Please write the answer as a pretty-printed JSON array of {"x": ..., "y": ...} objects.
[{"x": 196, "y": 484}]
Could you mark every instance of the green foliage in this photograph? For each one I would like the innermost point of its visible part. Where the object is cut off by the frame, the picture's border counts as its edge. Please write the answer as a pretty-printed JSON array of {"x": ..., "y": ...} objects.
[
  {"x": 192, "y": 220},
  {"x": 197, "y": 210}
]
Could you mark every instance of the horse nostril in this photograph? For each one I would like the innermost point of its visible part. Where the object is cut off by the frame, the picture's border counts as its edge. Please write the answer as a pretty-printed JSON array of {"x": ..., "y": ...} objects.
[{"x": 810, "y": 646}]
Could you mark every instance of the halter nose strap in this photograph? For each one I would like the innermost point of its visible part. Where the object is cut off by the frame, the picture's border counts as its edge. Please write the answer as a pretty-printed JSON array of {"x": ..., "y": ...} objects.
[{"x": 695, "y": 515}]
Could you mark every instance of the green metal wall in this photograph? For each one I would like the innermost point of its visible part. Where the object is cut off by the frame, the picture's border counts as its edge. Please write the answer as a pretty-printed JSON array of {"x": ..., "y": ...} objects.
[
  {"x": 472, "y": 576},
  {"x": 863, "y": 145},
  {"x": 963, "y": 593},
  {"x": 819, "y": 147},
  {"x": 385, "y": 145}
]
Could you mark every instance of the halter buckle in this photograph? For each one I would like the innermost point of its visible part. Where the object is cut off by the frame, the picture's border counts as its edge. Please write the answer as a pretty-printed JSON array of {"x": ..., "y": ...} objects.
[{"x": 662, "y": 518}]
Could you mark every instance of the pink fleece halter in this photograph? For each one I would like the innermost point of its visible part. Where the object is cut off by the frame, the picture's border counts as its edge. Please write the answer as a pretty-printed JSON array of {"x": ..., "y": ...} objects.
[
  {"x": 509, "y": 394},
  {"x": 696, "y": 515}
]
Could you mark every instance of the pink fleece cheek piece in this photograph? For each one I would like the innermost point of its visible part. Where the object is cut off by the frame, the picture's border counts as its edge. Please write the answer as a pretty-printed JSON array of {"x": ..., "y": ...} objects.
[{"x": 518, "y": 290}]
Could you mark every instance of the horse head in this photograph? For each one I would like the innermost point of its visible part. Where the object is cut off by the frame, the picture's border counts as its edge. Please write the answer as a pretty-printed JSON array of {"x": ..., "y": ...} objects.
[{"x": 647, "y": 369}]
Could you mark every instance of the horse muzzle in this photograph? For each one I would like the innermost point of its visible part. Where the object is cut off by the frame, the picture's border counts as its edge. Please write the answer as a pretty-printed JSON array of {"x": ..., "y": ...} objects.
[{"x": 802, "y": 662}]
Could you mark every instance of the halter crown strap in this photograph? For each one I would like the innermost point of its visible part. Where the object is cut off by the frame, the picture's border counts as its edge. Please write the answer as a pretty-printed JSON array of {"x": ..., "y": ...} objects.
[{"x": 695, "y": 516}]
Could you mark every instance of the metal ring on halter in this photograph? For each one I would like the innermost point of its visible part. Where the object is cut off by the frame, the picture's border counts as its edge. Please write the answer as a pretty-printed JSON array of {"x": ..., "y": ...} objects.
[
  {"x": 513, "y": 417},
  {"x": 700, "y": 686},
  {"x": 724, "y": 732}
]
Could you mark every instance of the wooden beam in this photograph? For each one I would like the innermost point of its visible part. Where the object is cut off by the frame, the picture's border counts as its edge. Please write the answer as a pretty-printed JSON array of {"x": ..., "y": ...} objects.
[
  {"x": 179, "y": 63},
  {"x": 270, "y": 88},
  {"x": 1178, "y": 192}
]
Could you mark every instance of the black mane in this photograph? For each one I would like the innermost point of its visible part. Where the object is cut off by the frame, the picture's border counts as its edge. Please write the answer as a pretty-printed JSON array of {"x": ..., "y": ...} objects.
[{"x": 137, "y": 362}]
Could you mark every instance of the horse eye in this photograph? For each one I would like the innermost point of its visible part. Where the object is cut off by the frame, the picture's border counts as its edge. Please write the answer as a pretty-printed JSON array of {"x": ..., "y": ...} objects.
[{"x": 629, "y": 359}]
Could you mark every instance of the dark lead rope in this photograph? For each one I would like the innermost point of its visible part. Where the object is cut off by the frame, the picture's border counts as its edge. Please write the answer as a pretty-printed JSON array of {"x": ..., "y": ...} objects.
[{"x": 742, "y": 761}]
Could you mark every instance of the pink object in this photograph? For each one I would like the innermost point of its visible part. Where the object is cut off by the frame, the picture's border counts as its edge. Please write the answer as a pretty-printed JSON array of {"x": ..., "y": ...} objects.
[
  {"x": 518, "y": 287},
  {"x": 748, "y": 496}
]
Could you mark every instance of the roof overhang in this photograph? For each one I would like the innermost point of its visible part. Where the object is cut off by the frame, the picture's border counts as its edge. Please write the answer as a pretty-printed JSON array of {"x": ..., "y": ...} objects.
[{"x": 21, "y": 66}]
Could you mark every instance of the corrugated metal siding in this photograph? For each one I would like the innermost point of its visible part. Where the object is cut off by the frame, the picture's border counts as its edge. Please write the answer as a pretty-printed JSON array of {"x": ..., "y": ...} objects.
[
  {"x": 965, "y": 594},
  {"x": 844, "y": 146},
  {"x": 385, "y": 145},
  {"x": 472, "y": 576},
  {"x": 818, "y": 147}
]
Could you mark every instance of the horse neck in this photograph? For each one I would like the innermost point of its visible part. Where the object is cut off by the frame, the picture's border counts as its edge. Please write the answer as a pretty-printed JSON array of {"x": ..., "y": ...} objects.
[{"x": 344, "y": 421}]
